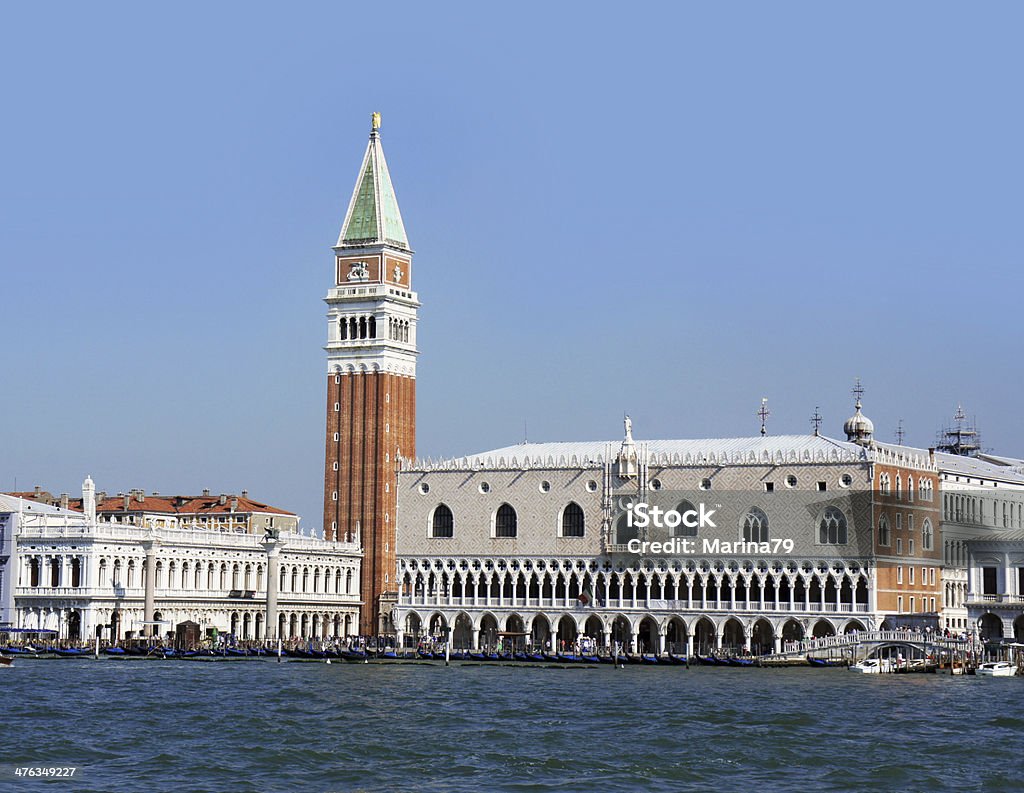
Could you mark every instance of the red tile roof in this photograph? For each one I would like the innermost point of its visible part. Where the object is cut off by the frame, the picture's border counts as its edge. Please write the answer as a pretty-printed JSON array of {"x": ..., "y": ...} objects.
[{"x": 176, "y": 505}]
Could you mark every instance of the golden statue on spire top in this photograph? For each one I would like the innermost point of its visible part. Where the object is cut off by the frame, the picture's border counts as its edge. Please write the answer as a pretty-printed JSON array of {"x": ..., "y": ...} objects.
[{"x": 375, "y": 121}]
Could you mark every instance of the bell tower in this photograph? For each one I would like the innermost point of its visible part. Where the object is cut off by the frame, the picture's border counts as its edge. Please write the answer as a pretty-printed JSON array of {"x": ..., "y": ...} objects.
[{"x": 371, "y": 380}]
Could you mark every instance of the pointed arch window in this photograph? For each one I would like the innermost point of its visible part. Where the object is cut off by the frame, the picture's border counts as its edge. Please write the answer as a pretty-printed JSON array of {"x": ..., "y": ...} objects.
[
  {"x": 623, "y": 531},
  {"x": 572, "y": 520},
  {"x": 832, "y": 530},
  {"x": 506, "y": 522},
  {"x": 688, "y": 513},
  {"x": 755, "y": 526},
  {"x": 927, "y": 537},
  {"x": 442, "y": 524},
  {"x": 884, "y": 537}
]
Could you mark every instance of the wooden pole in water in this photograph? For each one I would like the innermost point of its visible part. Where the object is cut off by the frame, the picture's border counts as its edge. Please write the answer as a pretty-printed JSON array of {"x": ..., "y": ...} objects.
[{"x": 97, "y": 650}]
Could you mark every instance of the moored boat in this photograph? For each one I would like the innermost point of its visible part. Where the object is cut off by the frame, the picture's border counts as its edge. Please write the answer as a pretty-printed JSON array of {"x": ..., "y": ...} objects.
[
  {"x": 71, "y": 652},
  {"x": 870, "y": 666},
  {"x": 822, "y": 662},
  {"x": 14, "y": 650},
  {"x": 996, "y": 669}
]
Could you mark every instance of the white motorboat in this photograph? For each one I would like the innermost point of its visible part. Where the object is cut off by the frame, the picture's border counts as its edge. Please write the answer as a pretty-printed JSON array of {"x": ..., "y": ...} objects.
[
  {"x": 996, "y": 669},
  {"x": 871, "y": 666}
]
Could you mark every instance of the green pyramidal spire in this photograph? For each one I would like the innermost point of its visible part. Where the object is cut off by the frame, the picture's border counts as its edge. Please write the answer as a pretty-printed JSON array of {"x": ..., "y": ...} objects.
[{"x": 373, "y": 216}]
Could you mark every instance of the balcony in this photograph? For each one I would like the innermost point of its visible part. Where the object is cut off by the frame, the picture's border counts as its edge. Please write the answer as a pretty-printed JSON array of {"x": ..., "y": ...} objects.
[
  {"x": 989, "y": 600},
  {"x": 442, "y": 601}
]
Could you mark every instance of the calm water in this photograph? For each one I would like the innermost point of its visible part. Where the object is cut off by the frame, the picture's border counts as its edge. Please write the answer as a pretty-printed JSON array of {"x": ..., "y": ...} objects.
[{"x": 255, "y": 725}]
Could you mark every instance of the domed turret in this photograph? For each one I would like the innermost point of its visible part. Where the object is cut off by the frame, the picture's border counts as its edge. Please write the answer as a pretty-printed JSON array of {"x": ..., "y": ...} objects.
[{"x": 859, "y": 428}]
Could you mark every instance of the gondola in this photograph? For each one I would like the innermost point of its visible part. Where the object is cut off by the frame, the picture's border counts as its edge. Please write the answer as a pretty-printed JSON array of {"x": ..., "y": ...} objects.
[
  {"x": 648, "y": 659},
  {"x": 591, "y": 659},
  {"x": 676, "y": 660},
  {"x": 71, "y": 652},
  {"x": 521, "y": 656},
  {"x": 535, "y": 657},
  {"x": 821, "y": 662},
  {"x": 21, "y": 651},
  {"x": 478, "y": 656},
  {"x": 741, "y": 662},
  {"x": 118, "y": 651},
  {"x": 236, "y": 652}
]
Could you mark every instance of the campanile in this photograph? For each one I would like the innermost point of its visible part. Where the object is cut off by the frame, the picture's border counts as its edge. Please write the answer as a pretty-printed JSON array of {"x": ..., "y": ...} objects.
[{"x": 371, "y": 379}]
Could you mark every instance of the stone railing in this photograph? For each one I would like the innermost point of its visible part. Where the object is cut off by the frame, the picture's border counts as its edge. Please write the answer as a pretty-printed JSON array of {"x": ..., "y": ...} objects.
[{"x": 120, "y": 532}]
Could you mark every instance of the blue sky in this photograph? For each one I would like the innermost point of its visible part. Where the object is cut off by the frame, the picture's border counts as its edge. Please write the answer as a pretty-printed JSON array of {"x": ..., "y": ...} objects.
[{"x": 666, "y": 209}]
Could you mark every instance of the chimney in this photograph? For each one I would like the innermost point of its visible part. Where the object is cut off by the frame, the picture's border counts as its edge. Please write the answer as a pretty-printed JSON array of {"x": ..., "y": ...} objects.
[
  {"x": 63, "y": 500},
  {"x": 127, "y": 501},
  {"x": 223, "y": 499},
  {"x": 38, "y": 490},
  {"x": 140, "y": 496},
  {"x": 245, "y": 494},
  {"x": 101, "y": 496},
  {"x": 206, "y": 491},
  {"x": 234, "y": 503}
]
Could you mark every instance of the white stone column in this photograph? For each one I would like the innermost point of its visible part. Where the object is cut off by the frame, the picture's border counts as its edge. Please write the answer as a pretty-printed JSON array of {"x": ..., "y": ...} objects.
[
  {"x": 150, "y": 546},
  {"x": 272, "y": 545}
]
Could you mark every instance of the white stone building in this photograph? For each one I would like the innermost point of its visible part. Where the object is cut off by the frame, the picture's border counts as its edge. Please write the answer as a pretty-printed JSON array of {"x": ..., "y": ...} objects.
[
  {"x": 67, "y": 571},
  {"x": 982, "y": 500}
]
